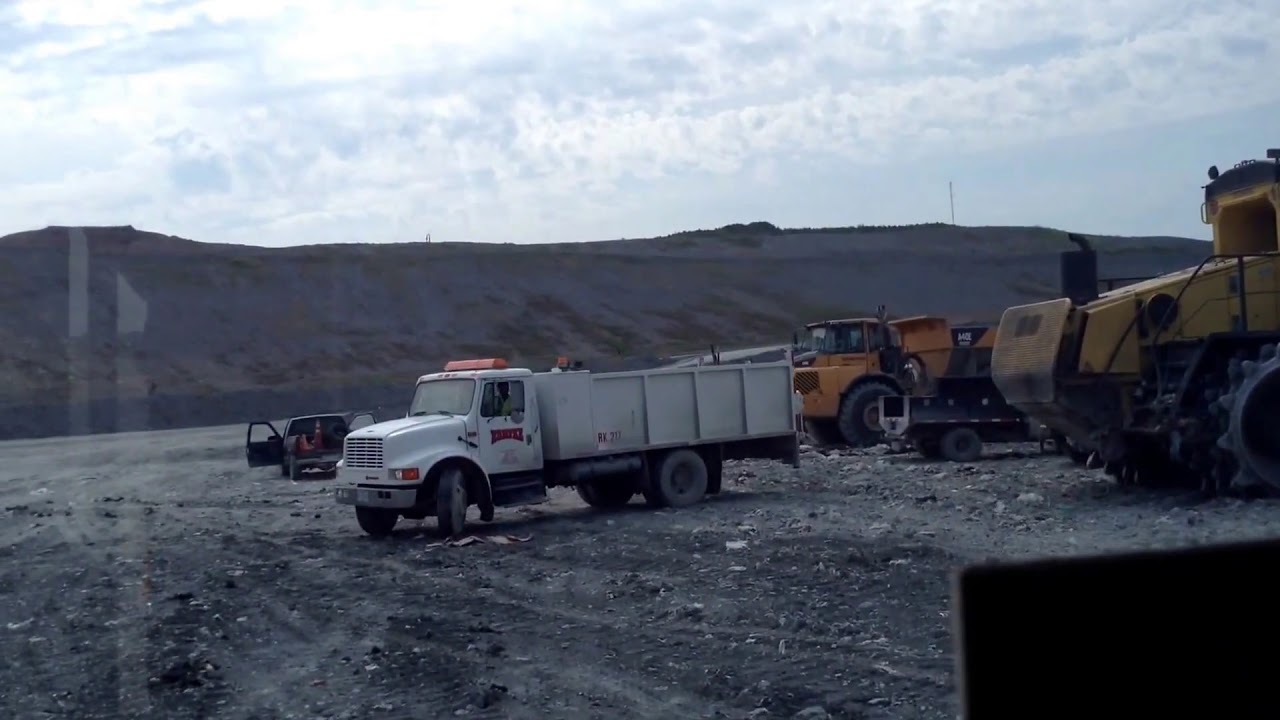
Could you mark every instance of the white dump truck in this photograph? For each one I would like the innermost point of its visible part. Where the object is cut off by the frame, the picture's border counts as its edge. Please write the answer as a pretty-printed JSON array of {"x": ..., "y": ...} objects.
[{"x": 484, "y": 434}]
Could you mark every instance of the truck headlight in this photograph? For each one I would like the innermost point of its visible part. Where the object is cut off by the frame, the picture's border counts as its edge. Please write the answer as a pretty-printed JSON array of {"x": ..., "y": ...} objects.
[{"x": 406, "y": 474}]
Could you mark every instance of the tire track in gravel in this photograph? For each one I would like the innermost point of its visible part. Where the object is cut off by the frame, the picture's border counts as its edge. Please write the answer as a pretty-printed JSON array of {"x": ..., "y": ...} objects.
[
  {"x": 635, "y": 648},
  {"x": 810, "y": 653},
  {"x": 538, "y": 612},
  {"x": 535, "y": 662},
  {"x": 89, "y": 650},
  {"x": 345, "y": 643},
  {"x": 534, "y": 657}
]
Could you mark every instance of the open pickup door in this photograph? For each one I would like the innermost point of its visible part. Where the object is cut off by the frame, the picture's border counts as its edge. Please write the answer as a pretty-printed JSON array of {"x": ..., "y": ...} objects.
[
  {"x": 359, "y": 420},
  {"x": 264, "y": 451}
]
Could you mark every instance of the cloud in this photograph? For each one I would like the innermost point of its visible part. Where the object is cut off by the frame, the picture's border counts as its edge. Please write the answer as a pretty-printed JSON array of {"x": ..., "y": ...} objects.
[{"x": 288, "y": 122}]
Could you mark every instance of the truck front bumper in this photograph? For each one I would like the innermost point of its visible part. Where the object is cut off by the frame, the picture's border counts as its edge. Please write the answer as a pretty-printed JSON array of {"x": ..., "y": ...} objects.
[{"x": 391, "y": 498}]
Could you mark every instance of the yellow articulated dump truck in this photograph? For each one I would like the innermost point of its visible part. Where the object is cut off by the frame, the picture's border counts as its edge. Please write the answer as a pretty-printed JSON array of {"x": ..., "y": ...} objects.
[
  {"x": 1173, "y": 381},
  {"x": 843, "y": 368}
]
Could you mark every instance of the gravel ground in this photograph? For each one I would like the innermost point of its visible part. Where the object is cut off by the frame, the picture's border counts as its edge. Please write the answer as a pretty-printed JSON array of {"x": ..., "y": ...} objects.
[{"x": 154, "y": 575}]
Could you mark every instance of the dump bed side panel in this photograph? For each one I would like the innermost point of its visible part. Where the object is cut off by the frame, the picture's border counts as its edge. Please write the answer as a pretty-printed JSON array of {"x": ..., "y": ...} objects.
[{"x": 619, "y": 412}]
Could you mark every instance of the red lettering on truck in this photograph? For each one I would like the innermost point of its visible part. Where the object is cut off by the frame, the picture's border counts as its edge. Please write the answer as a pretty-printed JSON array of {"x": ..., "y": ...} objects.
[{"x": 496, "y": 436}]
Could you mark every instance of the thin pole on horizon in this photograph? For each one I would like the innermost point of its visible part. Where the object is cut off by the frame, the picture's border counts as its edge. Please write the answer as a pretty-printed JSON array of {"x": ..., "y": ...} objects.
[{"x": 951, "y": 193}]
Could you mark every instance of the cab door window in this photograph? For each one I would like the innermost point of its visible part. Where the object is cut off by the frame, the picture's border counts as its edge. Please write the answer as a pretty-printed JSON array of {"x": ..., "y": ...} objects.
[
  {"x": 879, "y": 333},
  {"x": 503, "y": 398},
  {"x": 854, "y": 339}
]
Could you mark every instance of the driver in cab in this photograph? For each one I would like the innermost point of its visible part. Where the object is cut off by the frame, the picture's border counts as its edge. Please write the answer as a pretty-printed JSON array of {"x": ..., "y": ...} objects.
[{"x": 502, "y": 401}]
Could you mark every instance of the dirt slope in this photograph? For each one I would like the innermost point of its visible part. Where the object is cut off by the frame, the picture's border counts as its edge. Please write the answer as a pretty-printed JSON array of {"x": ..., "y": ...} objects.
[{"x": 131, "y": 330}]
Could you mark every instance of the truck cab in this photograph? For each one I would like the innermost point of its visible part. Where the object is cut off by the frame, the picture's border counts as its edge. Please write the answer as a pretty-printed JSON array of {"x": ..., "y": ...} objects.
[
  {"x": 477, "y": 422},
  {"x": 844, "y": 366},
  {"x": 842, "y": 343}
]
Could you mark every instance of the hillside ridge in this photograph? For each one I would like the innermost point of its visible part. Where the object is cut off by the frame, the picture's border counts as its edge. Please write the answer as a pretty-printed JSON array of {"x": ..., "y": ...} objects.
[{"x": 144, "y": 318}]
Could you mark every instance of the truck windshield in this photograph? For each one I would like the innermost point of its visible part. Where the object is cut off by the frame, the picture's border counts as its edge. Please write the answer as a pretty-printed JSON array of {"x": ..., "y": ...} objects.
[
  {"x": 809, "y": 339},
  {"x": 443, "y": 397},
  {"x": 841, "y": 339}
]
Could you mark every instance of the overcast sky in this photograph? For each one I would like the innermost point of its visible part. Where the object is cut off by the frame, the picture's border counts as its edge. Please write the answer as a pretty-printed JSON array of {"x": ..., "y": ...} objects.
[{"x": 275, "y": 123}]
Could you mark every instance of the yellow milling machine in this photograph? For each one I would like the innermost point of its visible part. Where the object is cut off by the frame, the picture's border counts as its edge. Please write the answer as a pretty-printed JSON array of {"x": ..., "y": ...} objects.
[{"x": 1174, "y": 381}]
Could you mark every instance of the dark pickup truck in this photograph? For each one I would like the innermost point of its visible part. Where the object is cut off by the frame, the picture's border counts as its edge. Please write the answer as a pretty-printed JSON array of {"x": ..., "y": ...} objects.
[{"x": 283, "y": 449}]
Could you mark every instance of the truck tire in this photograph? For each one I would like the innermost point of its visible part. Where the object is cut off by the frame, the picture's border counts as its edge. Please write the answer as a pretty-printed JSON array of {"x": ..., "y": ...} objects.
[
  {"x": 295, "y": 472},
  {"x": 378, "y": 522},
  {"x": 604, "y": 494},
  {"x": 284, "y": 469},
  {"x": 682, "y": 478},
  {"x": 859, "y": 419},
  {"x": 928, "y": 447},
  {"x": 451, "y": 503},
  {"x": 961, "y": 444}
]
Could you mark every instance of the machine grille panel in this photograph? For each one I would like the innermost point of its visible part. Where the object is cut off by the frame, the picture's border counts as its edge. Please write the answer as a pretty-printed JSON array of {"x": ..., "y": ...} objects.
[
  {"x": 1026, "y": 351},
  {"x": 806, "y": 382}
]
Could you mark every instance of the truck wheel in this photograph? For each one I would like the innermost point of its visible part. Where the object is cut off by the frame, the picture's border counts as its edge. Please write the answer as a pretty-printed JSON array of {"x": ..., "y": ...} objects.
[
  {"x": 295, "y": 472},
  {"x": 682, "y": 478},
  {"x": 378, "y": 522},
  {"x": 961, "y": 444},
  {"x": 284, "y": 469},
  {"x": 928, "y": 447},
  {"x": 859, "y": 419},
  {"x": 451, "y": 503},
  {"x": 600, "y": 494}
]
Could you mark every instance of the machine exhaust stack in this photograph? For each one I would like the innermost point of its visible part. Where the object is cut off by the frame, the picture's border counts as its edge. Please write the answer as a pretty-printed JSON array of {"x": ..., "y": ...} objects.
[{"x": 1080, "y": 271}]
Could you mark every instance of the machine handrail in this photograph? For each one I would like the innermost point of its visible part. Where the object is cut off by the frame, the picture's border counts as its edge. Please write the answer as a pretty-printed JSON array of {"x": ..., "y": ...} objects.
[{"x": 1240, "y": 292}]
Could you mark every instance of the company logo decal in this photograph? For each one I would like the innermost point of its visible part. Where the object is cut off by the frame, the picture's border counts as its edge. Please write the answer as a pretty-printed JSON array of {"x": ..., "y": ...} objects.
[{"x": 496, "y": 436}]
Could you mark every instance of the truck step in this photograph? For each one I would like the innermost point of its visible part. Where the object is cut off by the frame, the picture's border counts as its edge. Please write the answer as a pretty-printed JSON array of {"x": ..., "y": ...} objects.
[{"x": 510, "y": 492}]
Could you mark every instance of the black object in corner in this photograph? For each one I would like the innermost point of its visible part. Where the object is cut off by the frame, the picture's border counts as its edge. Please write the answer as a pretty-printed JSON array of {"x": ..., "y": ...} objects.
[{"x": 1185, "y": 633}]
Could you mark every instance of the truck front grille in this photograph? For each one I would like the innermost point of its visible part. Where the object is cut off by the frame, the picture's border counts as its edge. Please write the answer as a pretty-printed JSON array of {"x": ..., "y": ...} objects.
[{"x": 363, "y": 453}]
